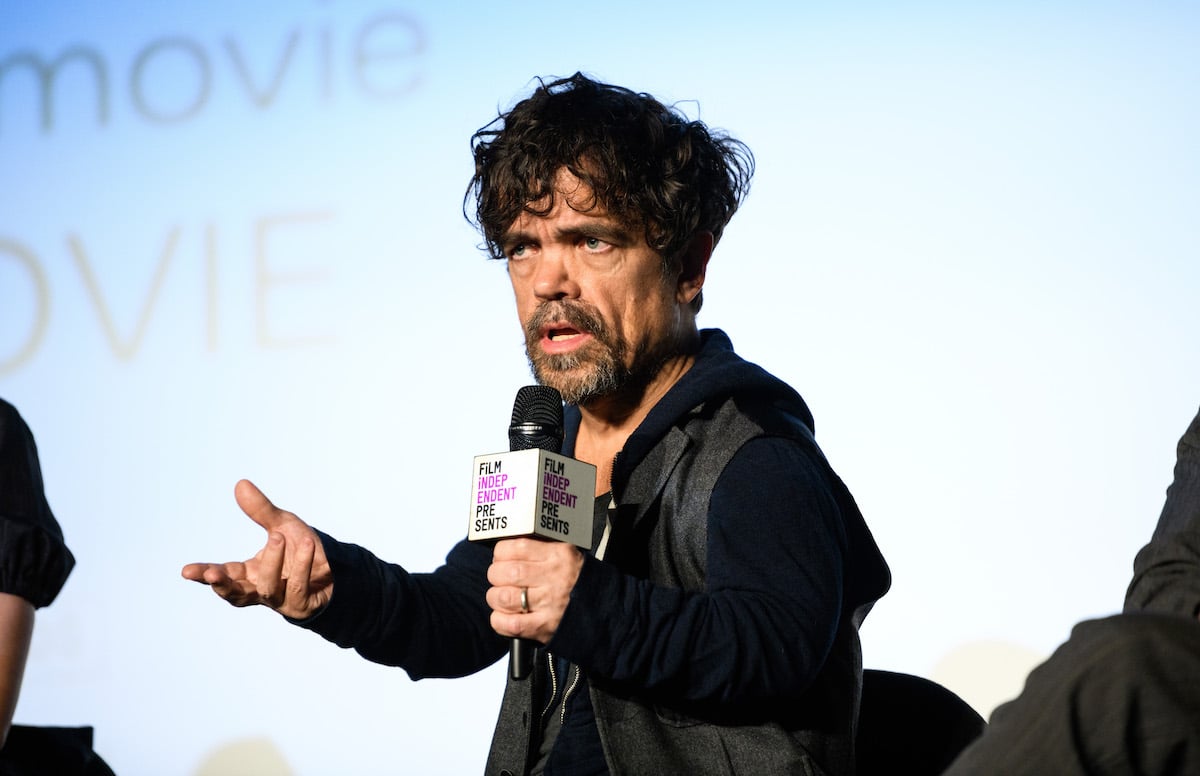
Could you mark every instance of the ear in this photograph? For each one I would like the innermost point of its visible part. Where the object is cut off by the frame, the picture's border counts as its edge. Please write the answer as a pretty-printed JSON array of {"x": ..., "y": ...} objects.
[{"x": 692, "y": 266}]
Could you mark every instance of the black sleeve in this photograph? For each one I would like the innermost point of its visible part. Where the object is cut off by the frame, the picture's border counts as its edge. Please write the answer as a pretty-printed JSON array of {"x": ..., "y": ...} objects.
[
  {"x": 432, "y": 625},
  {"x": 764, "y": 625},
  {"x": 34, "y": 560},
  {"x": 1166, "y": 572}
]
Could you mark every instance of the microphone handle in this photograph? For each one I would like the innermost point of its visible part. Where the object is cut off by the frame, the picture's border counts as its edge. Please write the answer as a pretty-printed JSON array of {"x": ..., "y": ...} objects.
[{"x": 520, "y": 658}]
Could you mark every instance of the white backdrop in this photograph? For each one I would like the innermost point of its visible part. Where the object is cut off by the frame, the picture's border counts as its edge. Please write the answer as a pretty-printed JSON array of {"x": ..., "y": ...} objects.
[{"x": 231, "y": 245}]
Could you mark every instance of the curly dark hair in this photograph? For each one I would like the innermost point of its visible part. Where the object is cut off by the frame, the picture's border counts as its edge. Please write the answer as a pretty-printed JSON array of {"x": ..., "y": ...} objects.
[{"x": 645, "y": 163}]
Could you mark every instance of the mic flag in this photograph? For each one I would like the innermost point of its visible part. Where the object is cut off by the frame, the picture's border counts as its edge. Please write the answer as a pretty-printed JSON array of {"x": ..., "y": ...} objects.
[{"x": 532, "y": 490}]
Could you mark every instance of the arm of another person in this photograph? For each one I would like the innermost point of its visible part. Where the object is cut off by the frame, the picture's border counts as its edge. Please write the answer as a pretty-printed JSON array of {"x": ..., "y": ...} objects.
[
  {"x": 34, "y": 561},
  {"x": 1166, "y": 572},
  {"x": 16, "y": 625}
]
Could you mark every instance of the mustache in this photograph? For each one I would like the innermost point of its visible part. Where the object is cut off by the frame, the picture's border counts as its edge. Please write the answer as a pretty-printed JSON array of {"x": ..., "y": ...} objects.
[{"x": 574, "y": 314}]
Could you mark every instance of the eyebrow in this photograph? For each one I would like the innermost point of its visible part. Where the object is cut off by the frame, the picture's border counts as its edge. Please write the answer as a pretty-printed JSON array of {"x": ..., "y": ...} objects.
[
  {"x": 613, "y": 233},
  {"x": 610, "y": 233}
]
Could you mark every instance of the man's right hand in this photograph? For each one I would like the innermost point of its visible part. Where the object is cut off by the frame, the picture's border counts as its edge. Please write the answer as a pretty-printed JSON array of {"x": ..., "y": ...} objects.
[{"x": 290, "y": 574}]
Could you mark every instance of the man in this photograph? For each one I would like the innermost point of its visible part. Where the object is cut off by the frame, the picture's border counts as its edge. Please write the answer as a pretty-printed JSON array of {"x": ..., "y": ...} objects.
[
  {"x": 715, "y": 630},
  {"x": 1122, "y": 695}
]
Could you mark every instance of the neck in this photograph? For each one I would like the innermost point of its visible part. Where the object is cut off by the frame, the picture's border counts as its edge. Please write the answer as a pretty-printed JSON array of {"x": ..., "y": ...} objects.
[{"x": 607, "y": 422}]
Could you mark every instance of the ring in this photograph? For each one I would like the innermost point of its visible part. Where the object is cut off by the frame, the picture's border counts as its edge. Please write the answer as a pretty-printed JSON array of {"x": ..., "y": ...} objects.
[{"x": 524, "y": 600}]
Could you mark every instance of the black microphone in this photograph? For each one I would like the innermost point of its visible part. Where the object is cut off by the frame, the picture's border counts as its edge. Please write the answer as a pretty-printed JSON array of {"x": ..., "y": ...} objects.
[
  {"x": 537, "y": 419},
  {"x": 532, "y": 490},
  {"x": 537, "y": 422}
]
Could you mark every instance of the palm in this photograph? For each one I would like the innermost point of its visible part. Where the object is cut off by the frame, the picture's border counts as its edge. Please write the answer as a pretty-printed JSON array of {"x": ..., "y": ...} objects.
[{"x": 290, "y": 574}]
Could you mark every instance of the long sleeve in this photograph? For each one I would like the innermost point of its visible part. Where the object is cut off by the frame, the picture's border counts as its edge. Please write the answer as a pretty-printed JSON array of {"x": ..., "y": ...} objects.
[
  {"x": 1166, "y": 572},
  {"x": 771, "y": 608},
  {"x": 430, "y": 624}
]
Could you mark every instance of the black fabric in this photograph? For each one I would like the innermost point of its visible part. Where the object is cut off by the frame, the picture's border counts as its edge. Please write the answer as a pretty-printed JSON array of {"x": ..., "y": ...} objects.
[
  {"x": 910, "y": 725},
  {"x": 34, "y": 560},
  {"x": 680, "y": 652},
  {"x": 1166, "y": 572},
  {"x": 1121, "y": 697},
  {"x": 570, "y": 733},
  {"x": 719, "y": 374},
  {"x": 51, "y": 751},
  {"x": 577, "y": 750},
  {"x": 731, "y": 525}
]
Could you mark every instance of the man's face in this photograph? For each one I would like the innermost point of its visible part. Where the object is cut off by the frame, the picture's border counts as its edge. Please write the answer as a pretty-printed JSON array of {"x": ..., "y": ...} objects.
[{"x": 598, "y": 313}]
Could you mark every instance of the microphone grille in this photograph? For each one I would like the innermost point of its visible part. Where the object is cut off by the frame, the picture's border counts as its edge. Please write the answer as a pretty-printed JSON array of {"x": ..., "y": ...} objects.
[{"x": 537, "y": 419}]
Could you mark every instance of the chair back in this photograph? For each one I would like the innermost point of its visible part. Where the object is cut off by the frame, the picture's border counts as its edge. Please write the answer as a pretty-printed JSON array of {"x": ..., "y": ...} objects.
[{"x": 910, "y": 725}]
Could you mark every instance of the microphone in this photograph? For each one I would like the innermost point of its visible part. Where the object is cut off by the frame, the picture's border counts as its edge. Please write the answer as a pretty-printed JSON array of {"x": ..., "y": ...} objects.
[
  {"x": 537, "y": 419},
  {"x": 532, "y": 490}
]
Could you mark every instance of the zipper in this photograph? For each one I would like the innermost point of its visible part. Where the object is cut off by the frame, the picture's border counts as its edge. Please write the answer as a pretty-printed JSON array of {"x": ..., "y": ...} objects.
[
  {"x": 577, "y": 674},
  {"x": 553, "y": 688},
  {"x": 570, "y": 689},
  {"x": 562, "y": 715}
]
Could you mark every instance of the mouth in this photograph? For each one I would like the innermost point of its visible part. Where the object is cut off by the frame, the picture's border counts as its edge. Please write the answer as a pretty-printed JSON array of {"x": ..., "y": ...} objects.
[{"x": 561, "y": 338}]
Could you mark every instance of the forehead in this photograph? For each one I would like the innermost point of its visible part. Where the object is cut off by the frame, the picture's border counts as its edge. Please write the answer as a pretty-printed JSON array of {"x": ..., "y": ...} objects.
[
  {"x": 577, "y": 193},
  {"x": 574, "y": 204}
]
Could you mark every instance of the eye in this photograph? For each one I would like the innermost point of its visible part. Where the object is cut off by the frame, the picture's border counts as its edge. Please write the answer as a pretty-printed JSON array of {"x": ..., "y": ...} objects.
[
  {"x": 518, "y": 251},
  {"x": 594, "y": 243}
]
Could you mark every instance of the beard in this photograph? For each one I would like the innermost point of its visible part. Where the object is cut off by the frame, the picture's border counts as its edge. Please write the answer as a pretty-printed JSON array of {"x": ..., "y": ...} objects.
[{"x": 601, "y": 368}]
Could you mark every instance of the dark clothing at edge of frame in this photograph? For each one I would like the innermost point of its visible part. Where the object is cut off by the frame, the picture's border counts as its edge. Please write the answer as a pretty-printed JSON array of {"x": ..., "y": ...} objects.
[
  {"x": 753, "y": 650},
  {"x": 1121, "y": 697},
  {"x": 34, "y": 560},
  {"x": 1166, "y": 572}
]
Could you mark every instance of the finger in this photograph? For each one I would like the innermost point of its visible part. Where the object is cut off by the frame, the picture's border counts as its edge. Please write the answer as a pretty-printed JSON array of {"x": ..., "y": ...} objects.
[
  {"x": 209, "y": 573},
  {"x": 237, "y": 592},
  {"x": 228, "y": 581},
  {"x": 507, "y": 599},
  {"x": 257, "y": 506},
  {"x": 301, "y": 571},
  {"x": 507, "y": 624},
  {"x": 519, "y": 626},
  {"x": 270, "y": 570},
  {"x": 194, "y": 571},
  {"x": 509, "y": 572},
  {"x": 522, "y": 548}
]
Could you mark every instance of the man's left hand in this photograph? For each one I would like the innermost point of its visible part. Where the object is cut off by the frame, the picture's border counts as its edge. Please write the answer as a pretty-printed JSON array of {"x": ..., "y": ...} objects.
[{"x": 546, "y": 571}]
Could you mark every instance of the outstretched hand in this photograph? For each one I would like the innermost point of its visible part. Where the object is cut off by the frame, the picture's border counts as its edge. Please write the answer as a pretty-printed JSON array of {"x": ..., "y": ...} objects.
[{"x": 290, "y": 574}]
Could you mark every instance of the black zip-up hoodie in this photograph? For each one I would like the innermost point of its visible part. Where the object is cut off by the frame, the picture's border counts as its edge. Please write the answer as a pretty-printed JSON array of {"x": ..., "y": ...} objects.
[{"x": 717, "y": 606}]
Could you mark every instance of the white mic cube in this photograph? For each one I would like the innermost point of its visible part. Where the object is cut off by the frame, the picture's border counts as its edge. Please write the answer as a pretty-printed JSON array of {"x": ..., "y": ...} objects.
[{"x": 532, "y": 493}]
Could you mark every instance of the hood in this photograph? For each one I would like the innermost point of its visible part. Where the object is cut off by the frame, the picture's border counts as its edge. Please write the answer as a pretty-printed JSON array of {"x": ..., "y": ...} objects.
[{"x": 717, "y": 373}]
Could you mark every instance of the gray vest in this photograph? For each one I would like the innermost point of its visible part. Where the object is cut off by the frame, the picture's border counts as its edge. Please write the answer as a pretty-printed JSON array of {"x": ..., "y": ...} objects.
[{"x": 659, "y": 532}]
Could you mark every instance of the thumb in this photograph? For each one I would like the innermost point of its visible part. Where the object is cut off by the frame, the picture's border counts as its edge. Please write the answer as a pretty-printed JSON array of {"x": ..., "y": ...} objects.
[{"x": 257, "y": 506}]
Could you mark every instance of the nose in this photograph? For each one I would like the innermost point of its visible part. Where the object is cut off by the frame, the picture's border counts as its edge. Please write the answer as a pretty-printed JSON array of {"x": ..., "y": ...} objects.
[{"x": 553, "y": 278}]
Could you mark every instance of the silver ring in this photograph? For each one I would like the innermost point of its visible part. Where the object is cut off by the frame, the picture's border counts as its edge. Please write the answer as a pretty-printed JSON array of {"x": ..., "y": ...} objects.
[{"x": 524, "y": 600}]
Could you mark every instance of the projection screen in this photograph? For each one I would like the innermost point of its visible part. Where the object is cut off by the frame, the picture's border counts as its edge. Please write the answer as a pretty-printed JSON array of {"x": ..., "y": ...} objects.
[{"x": 232, "y": 244}]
